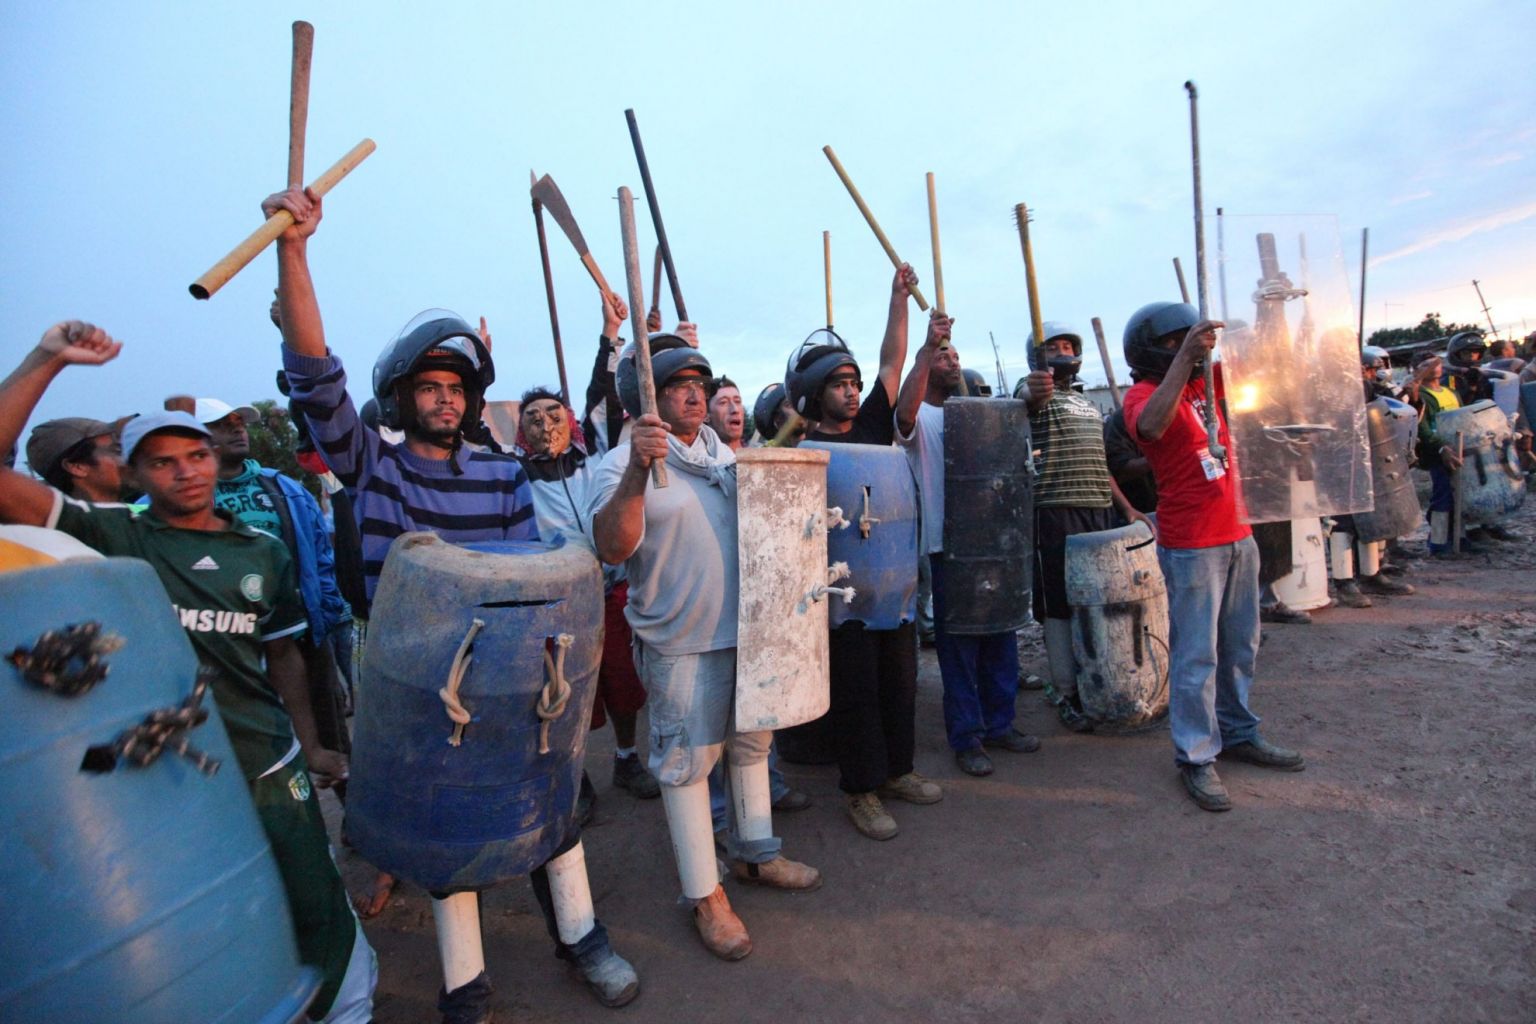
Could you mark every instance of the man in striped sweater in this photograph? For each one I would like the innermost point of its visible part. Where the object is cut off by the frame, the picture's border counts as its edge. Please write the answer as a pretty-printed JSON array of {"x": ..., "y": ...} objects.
[
  {"x": 430, "y": 383},
  {"x": 1074, "y": 493}
]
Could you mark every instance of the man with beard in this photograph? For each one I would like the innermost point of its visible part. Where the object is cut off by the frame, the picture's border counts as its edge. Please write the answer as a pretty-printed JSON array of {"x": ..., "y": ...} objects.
[
  {"x": 980, "y": 673},
  {"x": 873, "y": 672},
  {"x": 430, "y": 383},
  {"x": 1208, "y": 555},
  {"x": 560, "y": 473},
  {"x": 678, "y": 546}
]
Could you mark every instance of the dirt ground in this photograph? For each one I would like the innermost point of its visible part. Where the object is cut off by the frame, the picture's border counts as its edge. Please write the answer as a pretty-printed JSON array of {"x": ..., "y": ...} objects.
[{"x": 1393, "y": 880}]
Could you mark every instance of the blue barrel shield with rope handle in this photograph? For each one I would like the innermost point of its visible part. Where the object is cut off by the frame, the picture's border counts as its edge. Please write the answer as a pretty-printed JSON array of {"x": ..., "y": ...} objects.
[{"x": 473, "y": 709}]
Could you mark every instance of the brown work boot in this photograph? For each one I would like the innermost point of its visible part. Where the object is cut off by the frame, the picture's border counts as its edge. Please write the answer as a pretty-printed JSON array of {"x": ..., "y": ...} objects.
[
  {"x": 721, "y": 930},
  {"x": 913, "y": 788},
  {"x": 779, "y": 873},
  {"x": 870, "y": 816}
]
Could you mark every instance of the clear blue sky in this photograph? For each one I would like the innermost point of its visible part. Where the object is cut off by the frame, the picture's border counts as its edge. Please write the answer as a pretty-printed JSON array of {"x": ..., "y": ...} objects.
[{"x": 140, "y": 139}]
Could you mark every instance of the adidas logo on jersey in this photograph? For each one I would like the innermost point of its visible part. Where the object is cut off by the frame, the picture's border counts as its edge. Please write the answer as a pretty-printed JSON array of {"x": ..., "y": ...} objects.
[{"x": 206, "y": 562}]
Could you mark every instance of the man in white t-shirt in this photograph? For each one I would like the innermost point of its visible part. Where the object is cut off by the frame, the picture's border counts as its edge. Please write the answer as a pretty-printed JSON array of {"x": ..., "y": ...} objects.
[{"x": 980, "y": 673}]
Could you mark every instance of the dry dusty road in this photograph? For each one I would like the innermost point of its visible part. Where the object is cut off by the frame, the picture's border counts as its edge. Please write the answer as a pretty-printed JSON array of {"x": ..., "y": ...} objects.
[{"x": 1393, "y": 880}]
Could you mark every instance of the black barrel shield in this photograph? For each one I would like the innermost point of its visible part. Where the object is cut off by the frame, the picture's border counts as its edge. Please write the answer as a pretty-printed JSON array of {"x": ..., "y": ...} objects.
[{"x": 989, "y": 540}]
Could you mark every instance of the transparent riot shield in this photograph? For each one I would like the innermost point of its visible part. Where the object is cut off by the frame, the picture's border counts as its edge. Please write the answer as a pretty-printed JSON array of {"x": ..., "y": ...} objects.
[{"x": 1291, "y": 366}]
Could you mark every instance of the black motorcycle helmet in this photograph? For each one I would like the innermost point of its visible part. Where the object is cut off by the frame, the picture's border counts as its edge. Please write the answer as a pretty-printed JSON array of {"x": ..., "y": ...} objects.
[
  {"x": 1463, "y": 346},
  {"x": 805, "y": 376},
  {"x": 434, "y": 339},
  {"x": 768, "y": 412},
  {"x": 1149, "y": 323},
  {"x": 670, "y": 355}
]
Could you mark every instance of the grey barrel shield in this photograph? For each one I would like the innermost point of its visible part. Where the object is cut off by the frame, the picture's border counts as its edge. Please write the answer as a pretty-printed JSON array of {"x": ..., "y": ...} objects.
[
  {"x": 1119, "y": 626},
  {"x": 1492, "y": 485},
  {"x": 988, "y": 515},
  {"x": 1396, "y": 510}
]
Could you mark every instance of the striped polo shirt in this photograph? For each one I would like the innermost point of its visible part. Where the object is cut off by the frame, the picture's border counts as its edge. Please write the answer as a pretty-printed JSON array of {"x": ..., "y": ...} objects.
[
  {"x": 1068, "y": 431},
  {"x": 474, "y": 495}
]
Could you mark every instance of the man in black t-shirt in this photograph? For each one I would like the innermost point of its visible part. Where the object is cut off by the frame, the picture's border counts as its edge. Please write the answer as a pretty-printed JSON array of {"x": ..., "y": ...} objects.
[{"x": 874, "y": 672}]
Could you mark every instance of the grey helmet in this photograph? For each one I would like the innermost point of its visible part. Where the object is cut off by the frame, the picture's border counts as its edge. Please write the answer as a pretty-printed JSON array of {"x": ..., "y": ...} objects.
[
  {"x": 768, "y": 411},
  {"x": 434, "y": 339},
  {"x": 975, "y": 384},
  {"x": 1149, "y": 323},
  {"x": 1379, "y": 360},
  {"x": 1055, "y": 329},
  {"x": 809, "y": 366},
  {"x": 670, "y": 355}
]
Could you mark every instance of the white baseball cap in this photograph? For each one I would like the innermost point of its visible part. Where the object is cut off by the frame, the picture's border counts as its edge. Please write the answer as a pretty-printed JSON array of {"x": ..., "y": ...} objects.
[
  {"x": 211, "y": 410},
  {"x": 140, "y": 427}
]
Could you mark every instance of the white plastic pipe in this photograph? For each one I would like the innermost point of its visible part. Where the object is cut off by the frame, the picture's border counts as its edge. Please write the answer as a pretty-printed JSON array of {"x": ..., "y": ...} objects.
[
  {"x": 752, "y": 800},
  {"x": 458, "y": 938},
  {"x": 693, "y": 837},
  {"x": 1341, "y": 555},
  {"x": 1370, "y": 556},
  {"x": 571, "y": 894}
]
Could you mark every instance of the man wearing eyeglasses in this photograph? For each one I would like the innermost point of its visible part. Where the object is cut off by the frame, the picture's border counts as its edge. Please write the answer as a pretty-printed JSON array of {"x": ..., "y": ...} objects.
[
  {"x": 81, "y": 457},
  {"x": 678, "y": 547}
]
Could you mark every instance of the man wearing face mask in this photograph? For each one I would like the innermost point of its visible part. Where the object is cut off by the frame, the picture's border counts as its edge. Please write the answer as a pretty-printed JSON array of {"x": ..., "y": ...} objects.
[
  {"x": 553, "y": 451},
  {"x": 1074, "y": 493}
]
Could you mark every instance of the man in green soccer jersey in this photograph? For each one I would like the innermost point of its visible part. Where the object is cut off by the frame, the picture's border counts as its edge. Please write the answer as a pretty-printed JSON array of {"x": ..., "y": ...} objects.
[{"x": 236, "y": 596}]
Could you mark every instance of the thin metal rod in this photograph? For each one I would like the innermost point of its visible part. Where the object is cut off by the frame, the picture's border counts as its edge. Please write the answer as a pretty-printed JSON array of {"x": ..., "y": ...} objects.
[
  {"x": 1178, "y": 270},
  {"x": 1211, "y": 429},
  {"x": 1365, "y": 238}
]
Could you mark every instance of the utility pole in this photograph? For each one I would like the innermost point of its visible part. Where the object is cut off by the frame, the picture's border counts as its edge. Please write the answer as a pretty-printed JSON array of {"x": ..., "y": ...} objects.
[
  {"x": 1365, "y": 235},
  {"x": 1491, "y": 329}
]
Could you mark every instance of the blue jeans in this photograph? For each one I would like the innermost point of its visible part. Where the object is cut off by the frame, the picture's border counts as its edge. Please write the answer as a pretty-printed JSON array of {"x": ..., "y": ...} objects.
[
  {"x": 980, "y": 674},
  {"x": 1213, "y": 619}
]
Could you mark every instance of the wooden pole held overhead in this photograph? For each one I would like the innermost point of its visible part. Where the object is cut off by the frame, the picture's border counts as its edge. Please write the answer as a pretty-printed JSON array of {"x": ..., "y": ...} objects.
[
  {"x": 1178, "y": 270},
  {"x": 1109, "y": 368},
  {"x": 826, "y": 271},
  {"x": 1037, "y": 328},
  {"x": 938, "y": 260},
  {"x": 874, "y": 225},
  {"x": 298, "y": 100},
  {"x": 637, "y": 318},
  {"x": 219, "y": 274}
]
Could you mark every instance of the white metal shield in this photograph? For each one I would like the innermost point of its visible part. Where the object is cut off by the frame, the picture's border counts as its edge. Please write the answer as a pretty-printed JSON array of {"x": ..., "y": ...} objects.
[{"x": 781, "y": 634}]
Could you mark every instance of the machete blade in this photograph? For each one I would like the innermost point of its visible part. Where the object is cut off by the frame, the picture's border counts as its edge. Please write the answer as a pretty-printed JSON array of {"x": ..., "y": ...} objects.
[{"x": 547, "y": 194}]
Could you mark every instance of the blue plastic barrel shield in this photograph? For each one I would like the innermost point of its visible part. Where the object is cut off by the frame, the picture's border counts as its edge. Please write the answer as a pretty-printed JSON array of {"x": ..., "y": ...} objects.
[
  {"x": 875, "y": 488},
  {"x": 137, "y": 894},
  {"x": 452, "y": 818}
]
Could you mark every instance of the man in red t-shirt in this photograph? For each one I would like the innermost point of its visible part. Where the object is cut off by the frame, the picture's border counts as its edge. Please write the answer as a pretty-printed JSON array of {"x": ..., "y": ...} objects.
[{"x": 1207, "y": 553}]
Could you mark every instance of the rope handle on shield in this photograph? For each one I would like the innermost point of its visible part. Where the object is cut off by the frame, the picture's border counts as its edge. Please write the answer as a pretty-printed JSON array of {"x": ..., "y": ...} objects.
[
  {"x": 161, "y": 730},
  {"x": 557, "y": 691},
  {"x": 456, "y": 673},
  {"x": 68, "y": 661},
  {"x": 836, "y": 571},
  {"x": 866, "y": 521}
]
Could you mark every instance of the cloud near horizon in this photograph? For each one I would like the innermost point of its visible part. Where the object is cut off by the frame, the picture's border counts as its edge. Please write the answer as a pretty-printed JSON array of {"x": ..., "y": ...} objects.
[{"x": 1459, "y": 231}]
